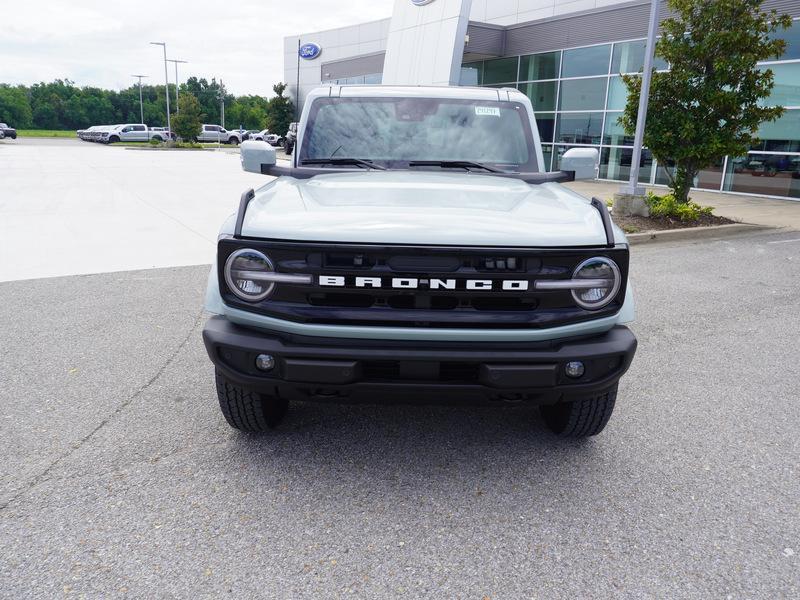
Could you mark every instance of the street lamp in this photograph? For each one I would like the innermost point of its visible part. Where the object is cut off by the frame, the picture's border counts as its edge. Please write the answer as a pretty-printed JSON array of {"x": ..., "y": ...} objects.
[
  {"x": 222, "y": 103},
  {"x": 633, "y": 188},
  {"x": 172, "y": 60},
  {"x": 141, "y": 106},
  {"x": 166, "y": 79}
]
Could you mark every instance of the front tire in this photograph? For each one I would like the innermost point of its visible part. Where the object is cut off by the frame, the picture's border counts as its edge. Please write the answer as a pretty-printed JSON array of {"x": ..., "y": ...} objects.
[
  {"x": 113, "y": 139},
  {"x": 246, "y": 409},
  {"x": 583, "y": 417}
]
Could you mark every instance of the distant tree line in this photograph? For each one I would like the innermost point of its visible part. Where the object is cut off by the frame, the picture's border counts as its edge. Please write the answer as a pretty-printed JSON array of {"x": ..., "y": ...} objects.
[{"x": 63, "y": 105}]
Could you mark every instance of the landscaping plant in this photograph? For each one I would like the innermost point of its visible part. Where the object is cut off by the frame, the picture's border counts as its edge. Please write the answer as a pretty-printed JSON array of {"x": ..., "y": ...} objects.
[
  {"x": 711, "y": 101},
  {"x": 188, "y": 123}
]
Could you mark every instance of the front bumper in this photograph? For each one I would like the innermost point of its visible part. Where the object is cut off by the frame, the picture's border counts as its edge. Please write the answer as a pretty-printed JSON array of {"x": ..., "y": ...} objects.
[{"x": 375, "y": 371}]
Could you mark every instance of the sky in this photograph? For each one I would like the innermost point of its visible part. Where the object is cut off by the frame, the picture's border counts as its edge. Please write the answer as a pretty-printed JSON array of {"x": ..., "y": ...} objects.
[{"x": 103, "y": 42}]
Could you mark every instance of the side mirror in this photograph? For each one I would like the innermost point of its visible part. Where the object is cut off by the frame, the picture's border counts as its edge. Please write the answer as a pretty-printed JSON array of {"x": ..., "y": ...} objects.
[
  {"x": 255, "y": 154},
  {"x": 582, "y": 161}
]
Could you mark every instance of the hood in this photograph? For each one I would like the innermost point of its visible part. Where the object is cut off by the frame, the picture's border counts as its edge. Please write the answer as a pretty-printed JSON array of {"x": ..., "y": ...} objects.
[{"x": 423, "y": 208}]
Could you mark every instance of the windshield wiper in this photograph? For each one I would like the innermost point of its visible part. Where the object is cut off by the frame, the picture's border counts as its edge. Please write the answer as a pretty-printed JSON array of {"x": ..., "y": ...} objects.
[
  {"x": 342, "y": 161},
  {"x": 454, "y": 164}
]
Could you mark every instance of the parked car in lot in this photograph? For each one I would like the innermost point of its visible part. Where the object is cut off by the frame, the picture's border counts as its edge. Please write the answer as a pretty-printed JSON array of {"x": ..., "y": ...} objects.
[
  {"x": 265, "y": 136},
  {"x": 8, "y": 132},
  {"x": 133, "y": 132},
  {"x": 215, "y": 133},
  {"x": 93, "y": 133},
  {"x": 436, "y": 262},
  {"x": 248, "y": 133},
  {"x": 167, "y": 132},
  {"x": 128, "y": 132}
]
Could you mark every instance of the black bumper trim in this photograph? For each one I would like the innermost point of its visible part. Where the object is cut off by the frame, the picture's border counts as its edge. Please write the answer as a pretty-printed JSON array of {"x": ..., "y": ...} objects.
[{"x": 369, "y": 370}]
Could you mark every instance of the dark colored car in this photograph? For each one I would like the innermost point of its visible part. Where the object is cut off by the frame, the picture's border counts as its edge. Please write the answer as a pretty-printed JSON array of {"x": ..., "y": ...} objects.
[{"x": 9, "y": 132}]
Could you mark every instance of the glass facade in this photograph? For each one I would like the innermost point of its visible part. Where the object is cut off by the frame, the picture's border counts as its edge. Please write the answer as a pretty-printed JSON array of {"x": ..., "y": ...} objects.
[
  {"x": 371, "y": 79},
  {"x": 578, "y": 97}
]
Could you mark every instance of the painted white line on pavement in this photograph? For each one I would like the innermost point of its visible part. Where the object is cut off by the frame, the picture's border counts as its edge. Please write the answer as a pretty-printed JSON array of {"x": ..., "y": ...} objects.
[{"x": 785, "y": 241}]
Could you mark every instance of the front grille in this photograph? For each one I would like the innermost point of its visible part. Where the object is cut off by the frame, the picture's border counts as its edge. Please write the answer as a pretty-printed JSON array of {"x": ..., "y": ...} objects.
[{"x": 423, "y": 307}]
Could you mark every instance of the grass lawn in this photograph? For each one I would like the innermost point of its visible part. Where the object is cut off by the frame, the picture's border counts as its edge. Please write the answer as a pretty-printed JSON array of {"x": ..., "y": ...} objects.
[{"x": 45, "y": 133}]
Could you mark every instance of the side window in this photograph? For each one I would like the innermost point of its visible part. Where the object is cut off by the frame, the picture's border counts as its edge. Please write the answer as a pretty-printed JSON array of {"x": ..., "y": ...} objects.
[
  {"x": 125, "y": 130},
  {"x": 138, "y": 127}
]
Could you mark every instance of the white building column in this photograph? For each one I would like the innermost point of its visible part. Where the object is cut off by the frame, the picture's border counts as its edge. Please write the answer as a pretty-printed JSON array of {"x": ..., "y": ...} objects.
[{"x": 426, "y": 42}]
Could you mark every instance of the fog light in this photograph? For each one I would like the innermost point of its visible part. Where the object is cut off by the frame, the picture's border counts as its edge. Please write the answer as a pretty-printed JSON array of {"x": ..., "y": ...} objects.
[
  {"x": 575, "y": 369},
  {"x": 265, "y": 362}
]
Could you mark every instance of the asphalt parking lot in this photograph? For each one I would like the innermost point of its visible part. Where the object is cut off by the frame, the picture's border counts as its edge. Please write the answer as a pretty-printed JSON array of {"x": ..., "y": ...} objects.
[{"x": 120, "y": 478}]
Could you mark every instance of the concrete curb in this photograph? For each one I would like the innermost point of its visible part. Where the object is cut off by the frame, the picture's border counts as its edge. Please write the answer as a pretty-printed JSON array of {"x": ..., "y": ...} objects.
[{"x": 694, "y": 233}]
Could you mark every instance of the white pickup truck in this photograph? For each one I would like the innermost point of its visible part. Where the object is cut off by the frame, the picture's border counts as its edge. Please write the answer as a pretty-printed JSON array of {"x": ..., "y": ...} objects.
[
  {"x": 215, "y": 133},
  {"x": 132, "y": 132}
]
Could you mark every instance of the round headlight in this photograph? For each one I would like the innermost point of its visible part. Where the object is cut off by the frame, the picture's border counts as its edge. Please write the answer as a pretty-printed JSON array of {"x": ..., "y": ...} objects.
[
  {"x": 603, "y": 287},
  {"x": 244, "y": 272}
]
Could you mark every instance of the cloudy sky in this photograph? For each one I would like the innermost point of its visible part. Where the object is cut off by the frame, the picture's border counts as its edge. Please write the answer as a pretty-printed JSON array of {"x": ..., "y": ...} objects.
[{"x": 103, "y": 42}]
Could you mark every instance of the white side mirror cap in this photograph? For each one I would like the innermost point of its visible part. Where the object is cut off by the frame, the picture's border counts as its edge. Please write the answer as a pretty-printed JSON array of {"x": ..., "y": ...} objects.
[
  {"x": 583, "y": 161},
  {"x": 255, "y": 154}
]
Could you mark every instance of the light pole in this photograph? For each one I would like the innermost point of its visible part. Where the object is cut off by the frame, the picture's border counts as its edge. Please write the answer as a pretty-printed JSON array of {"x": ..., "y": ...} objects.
[
  {"x": 222, "y": 103},
  {"x": 172, "y": 60},
  {"x": 166, "y": 79},
  {"x": 633, "y": 188},
  {"x": 141, "y": 105}
]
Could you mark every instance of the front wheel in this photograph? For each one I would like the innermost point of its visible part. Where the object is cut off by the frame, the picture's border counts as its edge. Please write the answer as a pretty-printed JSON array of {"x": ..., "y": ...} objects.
[
  {"x": 246, "y": 409},
  {"x": 288, "y": 147},
  {"x": 583, "y": 417},
  {"x": 113, "y": 139}
]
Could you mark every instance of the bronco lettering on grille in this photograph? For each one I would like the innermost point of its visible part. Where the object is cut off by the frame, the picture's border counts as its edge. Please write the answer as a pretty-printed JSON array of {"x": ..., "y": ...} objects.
[{"x": 414, "y": 283}]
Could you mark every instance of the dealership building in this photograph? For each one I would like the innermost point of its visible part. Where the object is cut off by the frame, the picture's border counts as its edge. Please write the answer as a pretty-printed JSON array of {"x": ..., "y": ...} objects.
[{"x": 566, "y": 56}]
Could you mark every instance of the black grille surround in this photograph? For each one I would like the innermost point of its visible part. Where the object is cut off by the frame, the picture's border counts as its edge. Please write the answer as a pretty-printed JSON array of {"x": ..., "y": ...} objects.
[{"x": 422, "y": 307}]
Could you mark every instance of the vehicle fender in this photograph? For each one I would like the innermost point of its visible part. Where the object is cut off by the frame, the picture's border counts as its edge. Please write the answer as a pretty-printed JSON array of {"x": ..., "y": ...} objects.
[
  {"x": 627, "y": 313},
  {"x": 213, "y": 301}
]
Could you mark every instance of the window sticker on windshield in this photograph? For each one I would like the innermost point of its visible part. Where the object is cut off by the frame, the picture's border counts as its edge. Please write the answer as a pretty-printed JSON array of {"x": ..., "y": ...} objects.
[{"x": 487, "y": 111}]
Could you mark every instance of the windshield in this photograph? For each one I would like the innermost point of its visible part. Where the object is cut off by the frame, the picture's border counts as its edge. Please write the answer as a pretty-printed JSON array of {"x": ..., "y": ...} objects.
[{"x": 394, "y": 132}]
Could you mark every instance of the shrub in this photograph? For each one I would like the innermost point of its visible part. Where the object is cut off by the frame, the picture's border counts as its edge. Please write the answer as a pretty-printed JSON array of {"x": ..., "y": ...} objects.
[
  {"x": 668, "y": 206},
  {"x": 187, "y": 124}
]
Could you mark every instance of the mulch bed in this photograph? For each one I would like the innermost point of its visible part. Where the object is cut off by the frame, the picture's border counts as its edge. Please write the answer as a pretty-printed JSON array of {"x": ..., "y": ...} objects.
[{"x": 636, "y": 224}]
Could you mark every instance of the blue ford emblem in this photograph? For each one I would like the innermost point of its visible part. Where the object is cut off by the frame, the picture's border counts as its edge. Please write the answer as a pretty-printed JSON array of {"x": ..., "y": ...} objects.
[{"x": 310, "y": 51}]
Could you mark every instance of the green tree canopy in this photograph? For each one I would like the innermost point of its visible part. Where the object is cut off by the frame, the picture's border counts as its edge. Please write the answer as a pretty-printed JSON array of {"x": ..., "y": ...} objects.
[
  {"x": 189, "y": 121},
  {"x": 14, "y": 106},
  {"x": 280, "y": 111},
  {"x": 61, "y": 104},
  {"x": 712, "y": 100}
]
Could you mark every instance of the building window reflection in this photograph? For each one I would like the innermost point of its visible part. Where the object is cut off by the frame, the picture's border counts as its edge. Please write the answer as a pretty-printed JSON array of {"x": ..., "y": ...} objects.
[{"x": 578, "y": 97}]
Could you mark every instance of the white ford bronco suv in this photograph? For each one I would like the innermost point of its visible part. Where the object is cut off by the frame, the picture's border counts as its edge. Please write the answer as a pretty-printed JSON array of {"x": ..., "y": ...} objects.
[{"x": 416, "y": 250}]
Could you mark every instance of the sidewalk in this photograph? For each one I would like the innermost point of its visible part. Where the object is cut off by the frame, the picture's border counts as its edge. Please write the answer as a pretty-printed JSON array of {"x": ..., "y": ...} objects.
[{"x": 745, "y": 209}]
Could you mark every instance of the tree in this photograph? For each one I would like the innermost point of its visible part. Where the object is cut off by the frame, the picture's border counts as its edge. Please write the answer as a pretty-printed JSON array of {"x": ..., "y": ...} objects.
[
  {"x": 14, "y": 107},
  {"x": 712, "y": 100},
  {"x": 188, "y": 122},
  {"x": 280, "y": 111}
]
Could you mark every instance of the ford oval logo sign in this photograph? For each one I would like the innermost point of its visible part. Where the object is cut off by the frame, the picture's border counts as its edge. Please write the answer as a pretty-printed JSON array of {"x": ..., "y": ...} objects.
[{"x": 310, "y": 51}]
